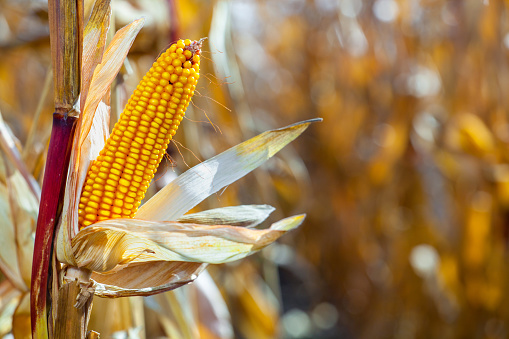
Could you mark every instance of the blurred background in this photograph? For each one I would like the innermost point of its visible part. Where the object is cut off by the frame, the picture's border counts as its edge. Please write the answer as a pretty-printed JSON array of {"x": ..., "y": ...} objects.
[{"x": 405, "y": 183}]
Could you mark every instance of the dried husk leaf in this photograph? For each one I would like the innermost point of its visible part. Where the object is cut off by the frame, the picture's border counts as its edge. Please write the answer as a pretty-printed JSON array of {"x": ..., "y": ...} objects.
[
  {"x": 94, "y": 40},
  {"x": 145, "y": 280},
  {"x": 149, "y": 278},
  {"x": 245, "y": 215},
  {"x": 92, "y": 132},
  {"x": 105, "y": 73},
  {"x": 130, "y": 260},
  {"x": 199, "y": 182},
  {"x": 106, "y": 245},
  {"x": 79, "y": 163}
]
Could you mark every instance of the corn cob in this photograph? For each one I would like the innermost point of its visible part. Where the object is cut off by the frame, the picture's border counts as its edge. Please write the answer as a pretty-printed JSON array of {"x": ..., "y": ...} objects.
[{"x": 118, "y": 180}]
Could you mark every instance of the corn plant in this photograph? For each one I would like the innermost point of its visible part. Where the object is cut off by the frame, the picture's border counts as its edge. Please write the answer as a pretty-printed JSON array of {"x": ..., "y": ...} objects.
[{"x": 93, "y": 237}]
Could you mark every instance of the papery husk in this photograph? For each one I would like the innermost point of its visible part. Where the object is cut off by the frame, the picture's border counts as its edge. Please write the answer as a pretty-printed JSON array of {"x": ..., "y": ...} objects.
[
  {"x": 75, "y": 179},
  {"x": 140, "y": 273},
  {"x": 111, "y": 244},
  {"x": 207, "y": 178},
  {"x": 141, "y": 257},
  {"x": 144, "y": 280},
  {"x": 245, "y": 216},
  {"x": 105, "y": 73},
  {"x": 91, "y": 134},
  {"x": 94, "y": 41}
]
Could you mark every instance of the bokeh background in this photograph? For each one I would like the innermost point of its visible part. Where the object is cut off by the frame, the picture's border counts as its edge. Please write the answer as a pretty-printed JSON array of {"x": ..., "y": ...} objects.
[{"x": 405, "y": 182}]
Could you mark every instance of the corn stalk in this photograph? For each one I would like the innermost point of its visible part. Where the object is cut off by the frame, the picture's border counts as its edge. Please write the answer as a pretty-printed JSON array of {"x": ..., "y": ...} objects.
[{"x": 66, "y": 35}]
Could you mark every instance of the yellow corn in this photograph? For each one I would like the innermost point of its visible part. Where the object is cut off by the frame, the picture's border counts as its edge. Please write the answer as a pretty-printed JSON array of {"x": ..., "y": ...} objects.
[{"x": 118, "y": 180}]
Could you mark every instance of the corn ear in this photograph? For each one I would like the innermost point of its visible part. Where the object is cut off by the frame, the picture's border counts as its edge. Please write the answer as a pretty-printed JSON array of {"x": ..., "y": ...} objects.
[{"x": 118, "y": 180}]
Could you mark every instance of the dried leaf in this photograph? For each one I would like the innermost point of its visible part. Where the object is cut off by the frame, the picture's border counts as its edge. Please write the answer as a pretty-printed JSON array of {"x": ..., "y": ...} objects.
[
  {"x": 104, "y": 246},
  {"x": 94, "y": 40},
  {"x": 245, "y": 215},
  {"x": 140, "y": 257},
  {"x": 105, "y": 73},
  {"x": 199, "y": 182},
  {"x": 145, "y": 280},
  {"x": 79, "y": 163}
]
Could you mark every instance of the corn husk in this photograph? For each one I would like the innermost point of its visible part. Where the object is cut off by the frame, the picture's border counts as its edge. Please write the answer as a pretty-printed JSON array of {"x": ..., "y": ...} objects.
[
  {"x": 110, "y": 245},
  {"x": 245, "y": 215},
  {"x": 91, "y": 134},
  {"x": 142, "y": 257},
  {"x": 154, "y": 253}
]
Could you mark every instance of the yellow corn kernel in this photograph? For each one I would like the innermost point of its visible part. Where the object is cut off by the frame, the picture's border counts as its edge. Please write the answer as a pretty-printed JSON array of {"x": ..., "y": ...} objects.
[{"x": 117, "y": 181}]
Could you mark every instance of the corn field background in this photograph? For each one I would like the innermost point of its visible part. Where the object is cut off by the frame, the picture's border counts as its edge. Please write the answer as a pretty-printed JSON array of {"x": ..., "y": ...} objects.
[{"x": 405, "y": 183}]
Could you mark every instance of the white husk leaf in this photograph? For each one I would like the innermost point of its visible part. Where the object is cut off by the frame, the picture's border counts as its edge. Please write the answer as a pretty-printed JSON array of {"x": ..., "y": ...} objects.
[
  {"x": 94, "y": 41},
  {"x": 140, "y": 257},
  {"x": 68, "y": 225},
  {"x": 245, "y": 215},
  {"x": 110, "y": 244},
  {"x": 199, "y": 182},
  {"x": 105, "y": 73},
  {"x": 145, "y": 280}
]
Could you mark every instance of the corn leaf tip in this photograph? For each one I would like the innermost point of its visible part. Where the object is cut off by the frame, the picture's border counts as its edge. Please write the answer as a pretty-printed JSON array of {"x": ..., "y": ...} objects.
[
  {"x": 300, "y": 123},
  {"x": 290, "y": 223}
]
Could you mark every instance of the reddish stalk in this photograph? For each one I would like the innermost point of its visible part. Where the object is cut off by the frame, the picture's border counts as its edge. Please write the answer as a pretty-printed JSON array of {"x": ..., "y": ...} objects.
[{"x": 52, "y": 190}]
